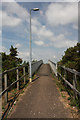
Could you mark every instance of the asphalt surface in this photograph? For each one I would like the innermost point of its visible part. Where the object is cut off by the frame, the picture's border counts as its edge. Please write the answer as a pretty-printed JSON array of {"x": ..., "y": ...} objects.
[{"x": 41, "y": 100}]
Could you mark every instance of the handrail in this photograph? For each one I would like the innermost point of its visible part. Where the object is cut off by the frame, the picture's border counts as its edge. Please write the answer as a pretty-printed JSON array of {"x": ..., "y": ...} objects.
[
  {"x": 35, "y": 66},
  {"x": 74, "y": 80},
  {"x": 75, "y": 73},
  {"x": 2, "y": 93},
  {"x": 71, "y": 86},
  {"x": 13, "y": 69},
  {"x": 70, "y": 70},
  {"x": 52, "y": 62},
  {"x": 6, "y": 88},
  {"x": 53, "y": 67},
  {"x": 36, "y": 62}
]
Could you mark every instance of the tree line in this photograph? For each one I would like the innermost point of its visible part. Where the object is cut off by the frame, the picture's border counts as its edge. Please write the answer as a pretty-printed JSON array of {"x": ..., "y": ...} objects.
[
  {"x": 12, "y": 60},
  {"x": 71, "y": 58}
]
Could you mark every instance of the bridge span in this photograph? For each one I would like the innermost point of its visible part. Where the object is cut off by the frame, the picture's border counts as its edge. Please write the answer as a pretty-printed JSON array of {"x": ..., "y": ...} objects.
[{"x": 41, "y": 99}]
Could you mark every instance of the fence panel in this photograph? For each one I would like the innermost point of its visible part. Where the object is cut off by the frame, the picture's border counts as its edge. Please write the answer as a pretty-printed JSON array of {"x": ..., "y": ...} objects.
[
  {"x": 36, "y": 65},
  {"x": 70, "y": 79},
  {"x": 53, "y": 67}
]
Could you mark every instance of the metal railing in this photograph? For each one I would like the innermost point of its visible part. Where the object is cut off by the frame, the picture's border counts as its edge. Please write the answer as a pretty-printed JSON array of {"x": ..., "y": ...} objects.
[
  {"x": 35, "y": 66},
  {"x": 5, "y": 76},
  {"x": 19, "y": 73},
  {"x": 62, "y": 72},
  {"x": 53, "y": 67},
  {"x": 71, "y": 82}
]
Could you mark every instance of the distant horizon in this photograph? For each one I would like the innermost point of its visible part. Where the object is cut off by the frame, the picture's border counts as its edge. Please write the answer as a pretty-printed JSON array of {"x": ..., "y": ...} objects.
[{"x": 37, "y": 59}]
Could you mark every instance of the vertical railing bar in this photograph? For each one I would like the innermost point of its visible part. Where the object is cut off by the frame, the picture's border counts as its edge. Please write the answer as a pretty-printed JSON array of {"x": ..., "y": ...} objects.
[
  {"x": 17, "y": 70},
  {"x": 65, "y": 76},
  {"x": 5, "y": 86},
  {"x": 24, "y": 75},
  {"x": 74, "y": 83}
]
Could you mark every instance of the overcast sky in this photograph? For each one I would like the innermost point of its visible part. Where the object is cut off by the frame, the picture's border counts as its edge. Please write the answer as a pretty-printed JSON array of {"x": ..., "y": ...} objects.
[{"x": 54, "y": 28}]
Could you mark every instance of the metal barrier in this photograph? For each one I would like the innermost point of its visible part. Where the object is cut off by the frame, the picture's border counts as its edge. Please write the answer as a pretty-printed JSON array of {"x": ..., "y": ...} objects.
[
  {"x": 53, "y": 66},
  {"x": 6, "y": 87},
  {"x": 63, "y": 76},
  {"x": 36, "y": 65}
]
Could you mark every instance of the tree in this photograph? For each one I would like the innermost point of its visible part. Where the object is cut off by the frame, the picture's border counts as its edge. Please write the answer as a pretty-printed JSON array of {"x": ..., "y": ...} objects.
[
  {"x": 13, "y": 51},
  {"x": 11, "y": 60},
  {"x": 71, "y": 58}
]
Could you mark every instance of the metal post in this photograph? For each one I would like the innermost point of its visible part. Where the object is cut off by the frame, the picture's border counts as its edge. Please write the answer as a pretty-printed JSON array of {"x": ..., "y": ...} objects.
[
  {"x": 57, "y": 72},
  {"x": 30, "y": 51},
  {"x": 56, "y": 69},
  {"x": 65, "y": 76},
  {"x": 5, "y": 82},
  {"x": 30, "y": 67},
  {"x": 24, "y": 75},
  {"x": 17, "y": 78},
  {"x": 75, "y": 83}
]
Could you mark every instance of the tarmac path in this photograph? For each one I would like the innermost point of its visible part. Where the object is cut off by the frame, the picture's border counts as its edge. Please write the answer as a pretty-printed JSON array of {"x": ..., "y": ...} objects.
[{"x": 41, "y": 100}]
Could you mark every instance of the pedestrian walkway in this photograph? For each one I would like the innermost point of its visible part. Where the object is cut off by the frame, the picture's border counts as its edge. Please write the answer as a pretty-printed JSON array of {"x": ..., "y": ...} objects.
[{"x": 41, "y": 100}]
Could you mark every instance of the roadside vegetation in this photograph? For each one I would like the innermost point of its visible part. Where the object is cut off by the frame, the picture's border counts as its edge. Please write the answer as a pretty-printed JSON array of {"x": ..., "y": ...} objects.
[
  {"x": 71, "y": 59},
  {"x": 10, "y": 61}
]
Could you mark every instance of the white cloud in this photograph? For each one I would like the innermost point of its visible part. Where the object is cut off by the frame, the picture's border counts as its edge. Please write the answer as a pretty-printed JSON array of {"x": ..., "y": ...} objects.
[
  {"x": 45, "y": 54},
  {"x": 0, "y": 32},
  {"x": 64, "y": 43},
  {"x": 14, "y": 14},
  {"x": 41, "y": 32},
  {"x": 62, "y": 13},
  {"x": 40, "y": 43},
  {"x": 23, "y": 55},
  {"x": 0, "y": 18},
  {"x": 35, "y": 22},
  {"x": 75, "y": 26},
  {"x": 57, "y": 14},
  {"x": 18, "y": 45},
  {"x": 45, "y": 32},
  {"x": 60, "y": 41},
  {"x": 54, "y": 56},
  {"x": 41, "y": 12},
  {"x": 4, "y": 49},
  {"x": 10, "y": 20}
]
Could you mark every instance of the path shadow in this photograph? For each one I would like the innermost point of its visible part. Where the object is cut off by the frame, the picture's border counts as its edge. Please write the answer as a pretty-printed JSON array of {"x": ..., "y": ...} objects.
[
  {"x": 11, "y": 102},
  {"x": 35, "y": 79}
]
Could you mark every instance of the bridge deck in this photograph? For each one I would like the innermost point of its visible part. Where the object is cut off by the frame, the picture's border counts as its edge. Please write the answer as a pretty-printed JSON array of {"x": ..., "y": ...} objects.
[{"x": 41, "y": 100}]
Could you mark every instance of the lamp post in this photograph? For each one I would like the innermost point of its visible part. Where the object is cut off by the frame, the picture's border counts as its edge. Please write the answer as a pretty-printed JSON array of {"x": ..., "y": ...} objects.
[{"x": 30, "y": 62}]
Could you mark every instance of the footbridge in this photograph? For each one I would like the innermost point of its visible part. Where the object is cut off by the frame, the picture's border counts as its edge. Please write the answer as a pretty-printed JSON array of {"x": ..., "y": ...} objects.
[{"x": 41, "y": 97}]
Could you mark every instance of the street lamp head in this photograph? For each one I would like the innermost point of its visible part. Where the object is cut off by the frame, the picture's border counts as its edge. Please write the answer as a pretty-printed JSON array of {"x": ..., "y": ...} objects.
[{"x": 35, "y": 9}]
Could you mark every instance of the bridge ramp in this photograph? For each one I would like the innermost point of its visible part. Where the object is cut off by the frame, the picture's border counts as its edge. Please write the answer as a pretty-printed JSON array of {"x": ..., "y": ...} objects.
[{"x": 41, "y": 100}]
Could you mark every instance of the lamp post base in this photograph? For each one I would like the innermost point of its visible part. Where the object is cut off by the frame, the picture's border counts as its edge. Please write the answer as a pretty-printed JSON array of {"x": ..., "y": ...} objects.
[{"x": 30, "y": 79}]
